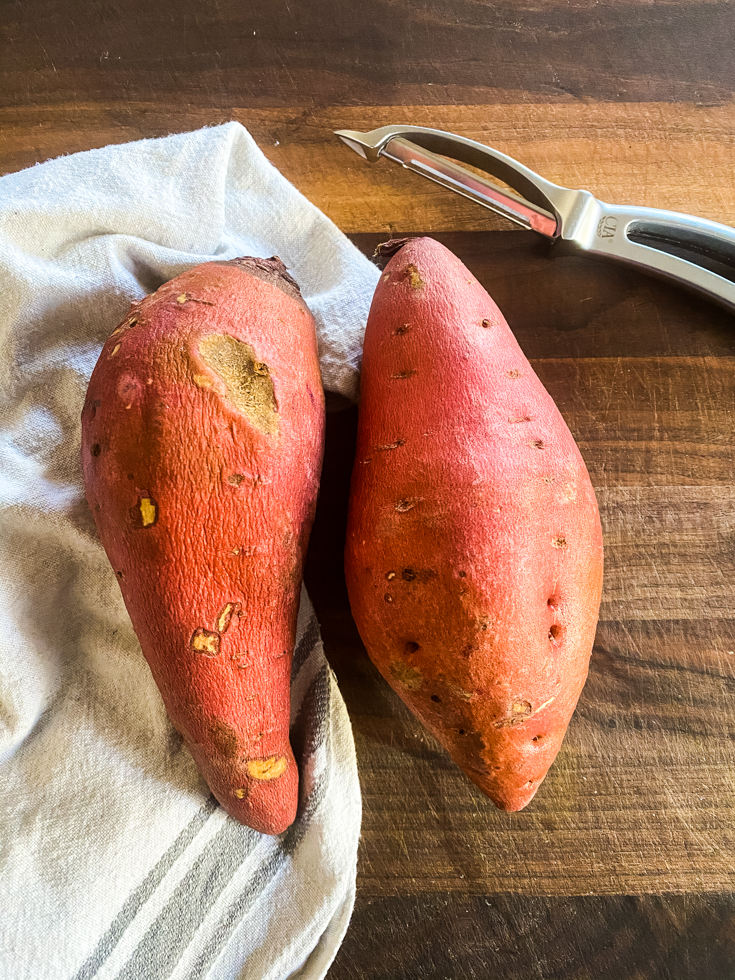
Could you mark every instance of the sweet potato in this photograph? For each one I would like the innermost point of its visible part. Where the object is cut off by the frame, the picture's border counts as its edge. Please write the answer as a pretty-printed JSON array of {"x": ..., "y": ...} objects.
[
  {"x": 202, "y": 443},
  {"x": 474, "y": 549}
]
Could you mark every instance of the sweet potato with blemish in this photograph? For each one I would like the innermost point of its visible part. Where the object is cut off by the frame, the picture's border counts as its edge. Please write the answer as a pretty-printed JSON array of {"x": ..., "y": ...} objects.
[
  {"x": 474, "y": 548},
  {"x": 202, "y": 442}
]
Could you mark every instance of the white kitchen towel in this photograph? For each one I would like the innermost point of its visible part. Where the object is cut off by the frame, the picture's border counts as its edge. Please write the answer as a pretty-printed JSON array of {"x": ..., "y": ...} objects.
[{"x": 115, "y": 861}]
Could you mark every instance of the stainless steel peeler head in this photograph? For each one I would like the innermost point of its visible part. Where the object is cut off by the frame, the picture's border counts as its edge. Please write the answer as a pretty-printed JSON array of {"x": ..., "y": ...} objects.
[
  {"x": 532, "y": 202},
  {"x": 694, "y": 252}
]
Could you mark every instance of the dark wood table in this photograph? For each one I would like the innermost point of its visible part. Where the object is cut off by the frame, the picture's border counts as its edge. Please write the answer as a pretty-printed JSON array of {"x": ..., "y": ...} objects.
[{"x": 623, "y": 866}]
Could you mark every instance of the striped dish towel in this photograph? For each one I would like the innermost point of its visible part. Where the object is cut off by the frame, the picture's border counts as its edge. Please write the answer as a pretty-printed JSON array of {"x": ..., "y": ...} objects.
[{"x": 115, "y": 861}]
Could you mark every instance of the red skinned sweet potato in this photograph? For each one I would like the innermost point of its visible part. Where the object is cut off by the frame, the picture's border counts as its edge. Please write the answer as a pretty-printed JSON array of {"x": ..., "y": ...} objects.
[
  {"x": 202, "y": 443},
  {"x": 474, "y": 548}
]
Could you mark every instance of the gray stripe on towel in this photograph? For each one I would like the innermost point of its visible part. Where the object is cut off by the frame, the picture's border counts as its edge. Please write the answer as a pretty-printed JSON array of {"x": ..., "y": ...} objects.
[
  {"x": 305, "y": 647},
  {"x": 311, "y": 728},
  {"x": 171, "y": 932},
  {"x": 254, "y": 890},
  {"x": 143, "y": 892},
  {"x": 168, "y": 937}
]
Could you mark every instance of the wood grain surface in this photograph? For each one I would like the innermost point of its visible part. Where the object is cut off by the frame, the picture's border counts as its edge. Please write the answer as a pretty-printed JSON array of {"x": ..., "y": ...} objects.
[
  {"x": 622, "y": 867},
  {"x": 658, "y": 155}
]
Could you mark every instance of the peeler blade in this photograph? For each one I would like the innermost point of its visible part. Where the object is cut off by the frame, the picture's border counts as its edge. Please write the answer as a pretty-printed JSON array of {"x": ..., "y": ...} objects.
[{"x": 430, "y": 153}]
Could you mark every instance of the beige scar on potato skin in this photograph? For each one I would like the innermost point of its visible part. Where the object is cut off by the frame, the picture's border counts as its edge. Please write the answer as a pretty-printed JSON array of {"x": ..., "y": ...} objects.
[
  {"x": 264, "y": 770},
  {"x": 248, "y": 381}
]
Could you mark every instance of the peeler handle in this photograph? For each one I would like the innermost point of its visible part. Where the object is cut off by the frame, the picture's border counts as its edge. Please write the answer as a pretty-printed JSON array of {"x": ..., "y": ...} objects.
[{"x": 694, "y": 252}]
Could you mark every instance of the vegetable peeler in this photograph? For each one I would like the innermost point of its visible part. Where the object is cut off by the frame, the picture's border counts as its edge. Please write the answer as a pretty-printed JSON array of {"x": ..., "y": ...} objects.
[{"x": 693, "y": 252}]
